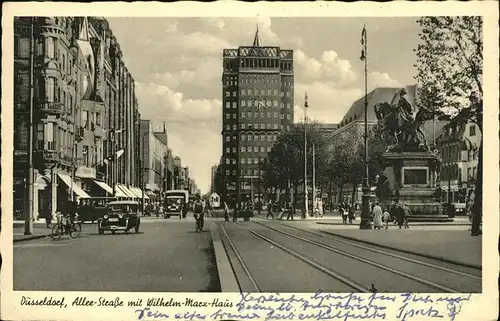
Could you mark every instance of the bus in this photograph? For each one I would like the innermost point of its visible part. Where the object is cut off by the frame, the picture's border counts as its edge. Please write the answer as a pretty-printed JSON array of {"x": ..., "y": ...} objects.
[{"x": 175, "y": 202}]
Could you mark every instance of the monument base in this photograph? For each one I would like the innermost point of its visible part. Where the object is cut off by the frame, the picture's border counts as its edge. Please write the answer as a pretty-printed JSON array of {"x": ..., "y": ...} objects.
[{"x": 412, "y": 178}]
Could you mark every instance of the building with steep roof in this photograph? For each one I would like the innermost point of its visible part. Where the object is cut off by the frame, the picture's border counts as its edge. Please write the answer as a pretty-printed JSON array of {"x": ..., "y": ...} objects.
[{"x": 257, "y": 104}]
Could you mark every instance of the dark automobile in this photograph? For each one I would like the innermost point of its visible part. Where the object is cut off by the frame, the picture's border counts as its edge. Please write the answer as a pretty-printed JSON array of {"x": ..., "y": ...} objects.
[
  {"x": 94, "y": 208},
  {"x": 121, "y": 216}
]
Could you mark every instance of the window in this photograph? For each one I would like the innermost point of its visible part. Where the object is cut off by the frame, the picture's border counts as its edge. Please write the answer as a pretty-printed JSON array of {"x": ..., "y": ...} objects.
[
  {"x": 234, "y": 138},
  {"x": 275, "y": 126},
  {"x": 85, "y": 119},
  {"x": 472, "y": 130},
  {"x": 249, "y": 103},
  {"x": 274, "y": 137},
  {"x": 50, "y": 47},
  {"x": 234, "y": 116},
  {"x": 243, "y": 103},
  {"x": 228, "y": 127},
  {"x": 288, "y": 117},
  {"x": 234, "y": 149},
  {"x": 276, "y": 92},
  {"x": 288, "y": 105},
  {"x": 262, "y": 92},
  {"x": 242, "y": 126},
  {"x": 256, "y": 172},
  {"x": 243, "y": 137},
  {"x": 228, "y": 94},
  {"x": 235, "y": 105},
  {"x": 262, "y": 149},
  {"x": 24, "y": 47},
  {"x": 228, "y": 172},
  {"x": 256, "y": 92},
  {"x": 268, "y": 149},
  {"x": 228, "y": 116},
  {"x": 234, "y": 93},
  {"x": 228, "y": 104},
  {"x": 228, "y": 138},
  {"x": 243, "y": 160},
  {"x": 243, "y": 149},
  {"x": 234, "y": 172},
  {"x": 256, "y": 149},
  {"x": 262, "y": 138},
  {"x": 275, "y": 115},
  {"x": 50, "y": 89},
  {"x": 234, "y": 161},
  {"x": 98, "y": 119},
  {"x": 243, "y": 114},
  {"x": 282, "y": 105},
  {"x": 243, "y": 92},
  {"x": 227, "y": 161},
  {"x": 282, "y": 116},
  {"x": 228, "y": 150},
  {"x": 269, "y": 126},
  {"x": 269, "y": 92}
]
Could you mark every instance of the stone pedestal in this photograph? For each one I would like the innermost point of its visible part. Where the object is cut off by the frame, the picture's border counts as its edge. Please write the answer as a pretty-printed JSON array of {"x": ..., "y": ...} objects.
[{"x": 412, "y": 178}]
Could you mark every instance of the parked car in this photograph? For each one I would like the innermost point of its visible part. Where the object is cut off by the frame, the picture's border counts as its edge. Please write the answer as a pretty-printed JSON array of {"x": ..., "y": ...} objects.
[{"x": 121, "y": 216}]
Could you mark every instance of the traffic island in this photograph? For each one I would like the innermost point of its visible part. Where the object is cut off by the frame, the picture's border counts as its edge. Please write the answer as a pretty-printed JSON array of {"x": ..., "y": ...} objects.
[{"x": 455, "y": 247}]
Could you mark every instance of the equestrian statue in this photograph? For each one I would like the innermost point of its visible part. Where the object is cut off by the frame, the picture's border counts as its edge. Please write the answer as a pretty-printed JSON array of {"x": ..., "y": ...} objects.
[{"x": 402, "y": 125}]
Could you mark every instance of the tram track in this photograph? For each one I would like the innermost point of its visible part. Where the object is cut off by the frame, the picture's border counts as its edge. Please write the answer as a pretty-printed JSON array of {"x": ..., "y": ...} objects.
[{"x": 309, "y": 248}]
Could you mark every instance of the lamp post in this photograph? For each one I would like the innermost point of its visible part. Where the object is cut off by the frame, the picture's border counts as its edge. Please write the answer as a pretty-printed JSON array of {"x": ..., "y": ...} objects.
[
  {"x": 365, "y": 223},
  {"x": 28, "y": 223},
  {"x": 142, "y": 173},
  {"x": 306, "y": 198},
  {"x": 314, "y": 175}
]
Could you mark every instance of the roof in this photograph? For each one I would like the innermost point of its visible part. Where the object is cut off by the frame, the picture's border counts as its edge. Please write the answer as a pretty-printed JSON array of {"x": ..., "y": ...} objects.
[
  {"x": 162, "y": 136},
  {"x": 327, "y": 127},
  {"x": 357, "y": 110},
  {"x": 256, "y": 39},
  {"x": 123, "y": 203}
]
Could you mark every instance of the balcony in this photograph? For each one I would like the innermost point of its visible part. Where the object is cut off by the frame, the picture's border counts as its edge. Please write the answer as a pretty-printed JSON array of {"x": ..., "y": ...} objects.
[{"x": 53, "y": 108}]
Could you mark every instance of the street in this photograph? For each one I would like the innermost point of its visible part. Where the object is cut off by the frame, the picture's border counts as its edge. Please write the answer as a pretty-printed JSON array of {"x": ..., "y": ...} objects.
[
  {"x": 264, "y": 255},
  {"x": 166, "y": 256}
]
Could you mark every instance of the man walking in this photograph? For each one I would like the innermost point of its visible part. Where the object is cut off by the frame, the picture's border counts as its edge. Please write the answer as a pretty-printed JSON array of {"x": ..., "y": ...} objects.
[
  {"x": 270, "y": 210},
  {"x": 289, "y": 208},
  {"x": 199, "y": 211}
]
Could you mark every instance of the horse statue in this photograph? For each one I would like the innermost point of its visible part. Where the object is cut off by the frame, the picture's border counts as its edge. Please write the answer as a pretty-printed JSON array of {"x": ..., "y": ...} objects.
[{"x": 402, "y": 124}]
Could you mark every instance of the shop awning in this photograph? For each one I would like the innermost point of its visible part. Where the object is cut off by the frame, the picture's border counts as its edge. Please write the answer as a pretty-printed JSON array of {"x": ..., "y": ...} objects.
[
  {"x": 119, "y": 192},
  {"x": 76, "y": 189},
  {"x": 104, "y": 186},
  {"x": 139, "y": 192},
  {"x": 126, "y": 191},
  {"x": 133, "y": 190}
]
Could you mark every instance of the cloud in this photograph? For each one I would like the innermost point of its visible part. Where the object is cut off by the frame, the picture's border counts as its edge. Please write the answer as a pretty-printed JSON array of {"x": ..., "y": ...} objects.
[
  {"x": 381, "y": 79},
  {"x": 328, "y": 68}
]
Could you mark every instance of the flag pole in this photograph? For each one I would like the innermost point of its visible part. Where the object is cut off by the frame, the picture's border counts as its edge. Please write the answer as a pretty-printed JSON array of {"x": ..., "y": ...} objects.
[
  {"x": 306, "y": 198},
  {"x": 28, "y": 223},
  {"x": 365, "y": 223}
]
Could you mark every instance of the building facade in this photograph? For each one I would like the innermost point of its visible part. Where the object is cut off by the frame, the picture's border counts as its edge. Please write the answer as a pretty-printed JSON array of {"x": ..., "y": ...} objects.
[
  {"x": 458, "y": 146},
  {"x": 257, "y": 103},
  {"x": 82, "y": 93},
  {"x": 213, "y": 172}
]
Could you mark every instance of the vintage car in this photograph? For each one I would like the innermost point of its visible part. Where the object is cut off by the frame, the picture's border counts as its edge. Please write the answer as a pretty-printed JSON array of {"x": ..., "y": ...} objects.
[{"x": 121, "y": 216}]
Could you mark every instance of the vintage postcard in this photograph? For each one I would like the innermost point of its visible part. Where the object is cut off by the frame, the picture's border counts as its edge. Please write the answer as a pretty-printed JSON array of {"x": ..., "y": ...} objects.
[{"x": 250, "y": 161}]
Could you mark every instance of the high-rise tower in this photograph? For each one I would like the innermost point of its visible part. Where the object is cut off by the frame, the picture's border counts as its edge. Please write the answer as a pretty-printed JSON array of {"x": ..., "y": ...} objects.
[{"x": 257, "y": 103}]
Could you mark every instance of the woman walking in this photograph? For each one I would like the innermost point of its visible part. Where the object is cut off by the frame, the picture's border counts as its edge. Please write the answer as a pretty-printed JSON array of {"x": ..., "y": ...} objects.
[{"x": 377, "y": 216}]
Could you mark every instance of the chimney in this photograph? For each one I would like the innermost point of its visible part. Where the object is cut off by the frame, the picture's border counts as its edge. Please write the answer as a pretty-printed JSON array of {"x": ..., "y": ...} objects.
[{"x": 164, "y": 128}]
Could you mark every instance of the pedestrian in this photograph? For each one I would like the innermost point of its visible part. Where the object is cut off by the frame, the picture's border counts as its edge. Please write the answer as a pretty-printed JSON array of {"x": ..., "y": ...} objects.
[
  {"x": 270, "y": 210},
  {"x": 377, "y": 216},
  {"x": 351, "y": 213},
  {"x": 386, "y": 217},
  {"x": 406, "y": 215},
  {"x": 289, "y": 209},
  {"x": 345, "y": 212},
  {"x": 226, "y": 212},
  {"x": 235, "y": 212},
  {"x": 398, "y": 213},
  {"x": 199, "y": 212}
]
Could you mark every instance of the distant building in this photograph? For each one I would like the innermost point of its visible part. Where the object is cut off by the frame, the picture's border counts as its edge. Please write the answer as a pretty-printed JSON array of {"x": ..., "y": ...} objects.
[
  {"x": 213, "y": 172},
  {"x": 257, "y": 103},
  {"x": 458, "y": 146}
]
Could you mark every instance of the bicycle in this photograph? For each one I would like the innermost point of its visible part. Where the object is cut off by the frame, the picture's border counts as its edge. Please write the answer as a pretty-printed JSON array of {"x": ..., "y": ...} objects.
[{"x": 65, "y": 225}]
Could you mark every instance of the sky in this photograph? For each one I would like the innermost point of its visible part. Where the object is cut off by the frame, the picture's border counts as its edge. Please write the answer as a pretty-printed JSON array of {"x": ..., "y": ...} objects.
[{"x": 177, "y": 67}]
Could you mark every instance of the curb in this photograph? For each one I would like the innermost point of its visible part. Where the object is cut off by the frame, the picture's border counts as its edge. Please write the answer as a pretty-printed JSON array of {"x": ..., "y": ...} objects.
[
  {"x": 415, "y": 224},
  {"x": 227, "y": 278},
  {"x": 29, "y": 238},
  {"x": 428, "y": 256}
]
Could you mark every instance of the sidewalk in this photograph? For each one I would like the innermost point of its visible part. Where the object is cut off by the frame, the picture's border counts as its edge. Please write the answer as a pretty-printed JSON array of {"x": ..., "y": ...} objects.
[
  {"x": 457, "y": 221},
  {"x": 39, "y": 231},
  {"x": 444, "y": 245}
]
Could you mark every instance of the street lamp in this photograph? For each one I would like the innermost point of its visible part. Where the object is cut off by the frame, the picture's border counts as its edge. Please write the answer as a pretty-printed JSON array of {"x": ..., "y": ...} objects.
[
  {"x": 365, "y": 223},
  {"x": 142, "y": 173},
  {"x": 306, "y": 198},
  {"x": 28, "y": 223}
]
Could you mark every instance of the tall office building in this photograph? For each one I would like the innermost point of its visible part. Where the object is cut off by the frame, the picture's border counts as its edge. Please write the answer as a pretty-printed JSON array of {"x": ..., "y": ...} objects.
[{"x": 257, "y": 95}]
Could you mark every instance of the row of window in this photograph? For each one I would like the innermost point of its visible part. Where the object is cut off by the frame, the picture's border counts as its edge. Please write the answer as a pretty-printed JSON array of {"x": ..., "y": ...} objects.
[
  {"x": 250, "y": 149},
  {"x": 256, "y": 92},
  {"x": 256, "y": 103},
  {"x": 253, "y": 137},
  {"x": 256, "y": 126},
  {"x": 258, "y": 79},
  {"x": 52, "y": 138},
  {"x": 248, "y": 172},
  {"x": 262, "y": 115}
]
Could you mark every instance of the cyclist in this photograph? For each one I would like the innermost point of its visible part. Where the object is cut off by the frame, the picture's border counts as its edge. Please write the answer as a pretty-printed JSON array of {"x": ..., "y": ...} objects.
[{"x": 199, "y": 211}]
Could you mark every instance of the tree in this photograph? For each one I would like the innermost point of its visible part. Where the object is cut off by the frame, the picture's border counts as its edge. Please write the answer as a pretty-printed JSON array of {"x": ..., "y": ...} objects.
[
  {"x": 450, "y": 69},
  {"x": 284, "y": 167}
]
